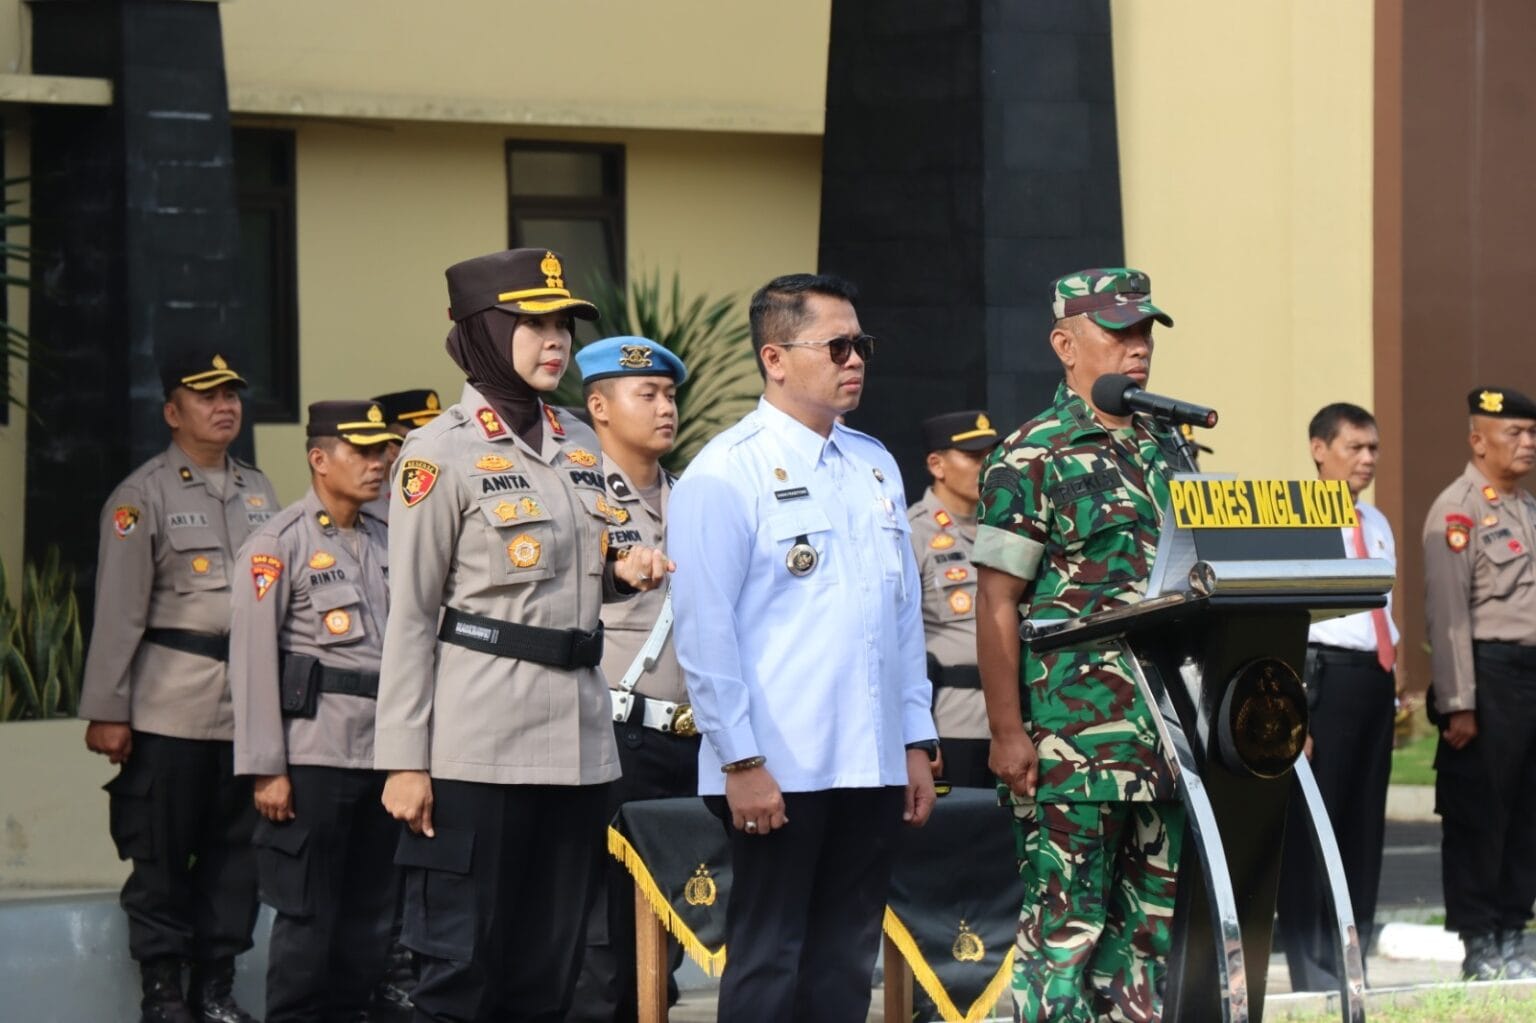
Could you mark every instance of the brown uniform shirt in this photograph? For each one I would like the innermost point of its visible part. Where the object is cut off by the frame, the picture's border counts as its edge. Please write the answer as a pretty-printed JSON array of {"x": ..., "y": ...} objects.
[
  {"x": 943, "y": 546},
  {"x": 1479, "y": 580},
  {"x": 627, "y": 625},
  {"x": 481, "y": 523},
  {"x": 315, "y": 590},
  {"x": 166, "y": 560}
]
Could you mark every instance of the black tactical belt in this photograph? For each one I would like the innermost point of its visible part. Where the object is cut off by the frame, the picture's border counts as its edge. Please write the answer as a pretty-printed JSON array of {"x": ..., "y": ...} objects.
[
  {"x": 960, "y": 676},
  {"x": 558, "y": 648},
  {"x": 211, "y": 645},
  {"x": 1346, "y": 655},
  {"x": 349, "y": 683}
]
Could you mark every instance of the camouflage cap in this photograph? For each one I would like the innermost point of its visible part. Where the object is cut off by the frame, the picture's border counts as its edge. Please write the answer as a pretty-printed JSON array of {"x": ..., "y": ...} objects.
[
  {"x": 1500, "y": 403},
  {"x": 1114, "y": 297}
]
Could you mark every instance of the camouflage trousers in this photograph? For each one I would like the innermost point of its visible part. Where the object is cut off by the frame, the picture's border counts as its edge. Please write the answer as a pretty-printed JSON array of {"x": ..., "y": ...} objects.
[{"x": 1099, "y": 883}]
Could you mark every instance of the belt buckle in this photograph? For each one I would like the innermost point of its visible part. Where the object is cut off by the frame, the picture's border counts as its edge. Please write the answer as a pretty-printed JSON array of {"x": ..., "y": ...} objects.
[{"x": 682, "y": 721}]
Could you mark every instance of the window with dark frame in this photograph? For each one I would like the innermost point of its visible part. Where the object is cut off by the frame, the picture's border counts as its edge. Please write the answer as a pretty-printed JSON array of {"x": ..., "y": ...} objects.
[
  {"x": 269, "y": 317},
  {"x": 569, "y": 197}
]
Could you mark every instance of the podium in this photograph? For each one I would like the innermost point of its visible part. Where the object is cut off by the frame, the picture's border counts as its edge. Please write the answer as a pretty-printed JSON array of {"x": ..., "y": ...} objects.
[{"x": 1217, "y": 647}]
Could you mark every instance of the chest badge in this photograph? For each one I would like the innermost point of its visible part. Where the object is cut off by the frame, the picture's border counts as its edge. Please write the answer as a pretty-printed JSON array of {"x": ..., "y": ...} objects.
[
  {"x": 493, "y": 463},
  {"x": 201, "y": 565},
  {"x": 1490, "y": 519},
  {"x": 960, "y": 602},
  {"x": 338, "y": 622},
  {"x": 256, "y": 501},
  {"x": 957, "y": 574},
  {"x": 524, "y": 551},
  {"x": 125, "y": 518},
  {"x": 618, "y": 515},
  {"x": 582, "y": 457},
  {"x": 942, "y": 542},
  {"x": 505, "y": 511},
  {"x": 780, "y": 475},
  {"x": 417, "y": 477},
  {"x": 320, "y": 560},
  {"x": 879, "y": 476},
  {"x": 801, "y": 559}
]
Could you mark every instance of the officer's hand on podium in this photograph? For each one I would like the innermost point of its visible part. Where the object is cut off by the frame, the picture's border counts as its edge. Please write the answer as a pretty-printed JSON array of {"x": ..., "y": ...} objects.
[
  {"x": 408, "y": 797},
  {"x": 112, "y": 739},
  {"x": 274, "y": 797},
  {"x": 1014, "y": 760},
  {"x": 1460, "y": 728}
]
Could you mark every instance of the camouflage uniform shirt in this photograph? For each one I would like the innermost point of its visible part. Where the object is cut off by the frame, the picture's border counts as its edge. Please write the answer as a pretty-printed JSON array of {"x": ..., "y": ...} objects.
[{"x": 1073, "y": 508}]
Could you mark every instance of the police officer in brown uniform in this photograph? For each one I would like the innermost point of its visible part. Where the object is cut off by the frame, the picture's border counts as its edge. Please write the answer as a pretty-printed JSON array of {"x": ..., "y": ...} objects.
[
  {"x": 157, "y": 697},
  {"x": 304, "y": 669},
  {"x": 631, "y": 390},
  {"x": 494, "y": 718},
  {"x": 943, "y": 533},
  {"x": 404, "y": 411},
  {"x": 1481, "y": 612}
]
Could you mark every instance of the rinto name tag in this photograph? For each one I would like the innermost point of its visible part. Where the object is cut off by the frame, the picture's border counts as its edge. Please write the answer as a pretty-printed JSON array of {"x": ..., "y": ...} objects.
[{"x": 1262, "y": 504}]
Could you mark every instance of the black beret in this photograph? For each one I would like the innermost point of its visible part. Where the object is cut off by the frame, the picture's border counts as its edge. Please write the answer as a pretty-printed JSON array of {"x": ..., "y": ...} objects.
[{"x": 1500, "y": 403}]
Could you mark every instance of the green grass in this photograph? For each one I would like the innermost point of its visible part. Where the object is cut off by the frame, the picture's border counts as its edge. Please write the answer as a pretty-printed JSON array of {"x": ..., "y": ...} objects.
[
  {"x": 1413, "y": 762},
  {"x": 1448, "y": 1005}
]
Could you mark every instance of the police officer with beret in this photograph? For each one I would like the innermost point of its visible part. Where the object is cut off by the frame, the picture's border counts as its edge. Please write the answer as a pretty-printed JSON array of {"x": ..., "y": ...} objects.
[
  {"x": 157, "y": 697},
  {"x": 631, "y": 391},
  {"x": 403, "y": 412},
  {"x": 943, "y": 533},
  {"x": 1480, "y": 608},
  {"x": 304, "y": 668},
  {"x": 494, "y": 718}
]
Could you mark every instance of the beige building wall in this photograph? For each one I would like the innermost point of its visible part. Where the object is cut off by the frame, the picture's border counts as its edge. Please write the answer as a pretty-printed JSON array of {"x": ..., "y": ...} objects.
[{"x": 1246, "y": 163}]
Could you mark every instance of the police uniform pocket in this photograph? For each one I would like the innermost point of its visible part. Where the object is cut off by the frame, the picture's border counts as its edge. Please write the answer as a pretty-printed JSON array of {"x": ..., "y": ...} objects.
[
  {"x": 956, "y": 583},
  {"x": 282, "y": 866},
  {"x": 600, "y": 518},
  {"x": 800, "y": 537},
  {"x": 130, "y": 811},
  {"x": 197, "y": 560},
  {"x": 1511, "y": 563},
  {"x": 520, "y": 537},
  {"x": 339, "y": 607},
  {"x": 439, "y": 918}
]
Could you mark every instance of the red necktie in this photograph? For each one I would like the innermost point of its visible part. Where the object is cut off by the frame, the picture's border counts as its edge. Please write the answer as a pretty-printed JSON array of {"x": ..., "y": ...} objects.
[{"x": 1386, "y": 655}]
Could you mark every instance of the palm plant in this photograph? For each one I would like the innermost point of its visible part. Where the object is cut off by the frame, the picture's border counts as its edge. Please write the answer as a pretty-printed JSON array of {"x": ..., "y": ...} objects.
[
  {"x": 41, "y": 650},
  {"x": 709, "y": 335}
]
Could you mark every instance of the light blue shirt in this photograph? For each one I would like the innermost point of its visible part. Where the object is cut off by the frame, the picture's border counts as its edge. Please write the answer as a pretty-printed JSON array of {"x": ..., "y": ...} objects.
[{"x": 823, "y": 674}]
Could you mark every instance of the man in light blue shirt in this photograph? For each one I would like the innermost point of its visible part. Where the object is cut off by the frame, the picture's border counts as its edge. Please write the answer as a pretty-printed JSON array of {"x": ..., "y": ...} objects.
[{"x": 799, "y": 629}]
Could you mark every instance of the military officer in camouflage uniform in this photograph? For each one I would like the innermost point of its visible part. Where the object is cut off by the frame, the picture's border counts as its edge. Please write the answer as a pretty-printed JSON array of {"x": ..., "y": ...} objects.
[
  {"x": 494, "y": 718},
  {"x": 157, "y": 698},
  {"x": 1068, "y": 525},
  {"x": 943, "y": 533},
  {"x": 631, "y": 390},
  {"x": 1480, "y": 608},
  {"x": 404, "y": 411},
  {"x": 304, "y": 669}
]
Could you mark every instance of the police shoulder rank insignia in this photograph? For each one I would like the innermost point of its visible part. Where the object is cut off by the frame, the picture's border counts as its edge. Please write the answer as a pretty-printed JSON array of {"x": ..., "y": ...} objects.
[
  {"x": 505, "y": 511},
  {"x": 524, "y": 551},
  {"x": 554, "y": 422},
  {"x": 942, "y": 518},
  {"x": 957, "y": 574},
  {"x": 493, "y": 463},
  {"x": 320, "y": 560},
  {"x": 185, "y": 474},
  {"x": 942, "y": 542},
  {"x": 265, "y": 570},
  {"x": 323, "y": 519},
  {"x": 583, "y": 457},
  {"x": 1490, "y": 495},
  {"x": 635, "y": 356},
  {"x": 801, "y": 559},
  {"x": 338, "y": 622},
  {"x": 201, "y": 565},
  {"x": 960, "y": 602},
  {"x": 417, "y": 477},
  {"x": 490, "y": 422},
  {"x": 1458, "y": 530},
  {"x": 125, "y": 518},
  {"x": 968, "y": 946},
  {"x": 700, "y": 889}
]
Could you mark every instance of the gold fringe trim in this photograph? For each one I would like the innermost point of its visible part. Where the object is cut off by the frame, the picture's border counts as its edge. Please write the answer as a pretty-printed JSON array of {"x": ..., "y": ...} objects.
[
  {"x": 923, "y": 973},
  {"x": 712, "y": 963}
]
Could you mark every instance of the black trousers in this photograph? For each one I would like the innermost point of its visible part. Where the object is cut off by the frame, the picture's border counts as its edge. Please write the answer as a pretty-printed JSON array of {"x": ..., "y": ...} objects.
[
  {"x": 1352, "y": 706},
  {"x": 184, "y": 819},
  {"x": 330, "y": 875},
  {"x": 656, "y": 766},
  {"x": 1485, "y": 794},
  {"x": 806, "y": 904},
  {"x": 496, "y": 904},
  {"x": 965, "y": 763}
]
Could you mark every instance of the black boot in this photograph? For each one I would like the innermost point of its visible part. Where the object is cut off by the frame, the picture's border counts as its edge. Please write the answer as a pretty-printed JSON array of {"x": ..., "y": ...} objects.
[
  {"x": 1518, "y": 964},
  {"x": 1483, "y": 961},
  {"x": 163, "y": 1001},
  {"x": 210, "y": 995}
]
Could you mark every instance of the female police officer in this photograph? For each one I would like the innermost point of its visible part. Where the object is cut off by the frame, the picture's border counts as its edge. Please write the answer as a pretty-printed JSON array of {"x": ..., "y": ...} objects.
[{"x": 493, "y": 717}]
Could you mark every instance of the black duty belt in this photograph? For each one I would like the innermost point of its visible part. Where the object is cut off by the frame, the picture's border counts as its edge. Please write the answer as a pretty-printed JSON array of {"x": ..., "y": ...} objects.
[
  {"x": 558, "y": 648},
  {"x": 213, "y": 645},
  {"x": 960, "y": 676},
  {"x": 348, "y": 683},
  {"x": 1517, "y": 654},
  {"x": 1346, "y": 655}
]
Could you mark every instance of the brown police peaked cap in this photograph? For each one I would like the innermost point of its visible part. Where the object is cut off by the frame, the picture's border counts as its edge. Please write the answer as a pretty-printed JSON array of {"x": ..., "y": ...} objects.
[
  {"x": 970, "y": 430},
  {"x": 197, "y": 370},
  {"x": 527, "y": 281},
  {"x": 356, "y": 422}
]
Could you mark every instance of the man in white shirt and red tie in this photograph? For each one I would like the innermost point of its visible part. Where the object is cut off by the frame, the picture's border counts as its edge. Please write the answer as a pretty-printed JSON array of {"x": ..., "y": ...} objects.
[{"x": 1351, "y": 692}]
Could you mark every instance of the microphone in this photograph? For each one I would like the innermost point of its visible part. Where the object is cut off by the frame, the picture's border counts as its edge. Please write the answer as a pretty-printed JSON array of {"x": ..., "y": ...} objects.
[{"x": 1119, "y": 395}]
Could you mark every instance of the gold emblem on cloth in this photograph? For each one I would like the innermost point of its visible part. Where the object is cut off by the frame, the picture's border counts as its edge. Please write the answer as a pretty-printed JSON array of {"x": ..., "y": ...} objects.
[
  {"x": 505, "y": 512},
  {"x": 375, "y": 414},
  {"x": 967, "y": 947},
  {"x": 219, "y": 363},
  {"x": 201, "y": 565},
  {"x": 432, "y": 403},
  {"x": 582, "y": 457},
  {"x": 524, "y": 551},
  {"x": 700, "y": 889},
  {"x": 983, "y": 423},
  {"x": 780, "y": 475},
  {"x": 554, "y": 274},
  {"x": 683, "y": 723},
  {"x": 1491, "y": 401},
  {"x": 635, "y": 356}
]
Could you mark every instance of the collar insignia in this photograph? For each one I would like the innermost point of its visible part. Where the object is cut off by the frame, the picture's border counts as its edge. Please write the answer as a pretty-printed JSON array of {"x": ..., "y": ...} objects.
[
  {"x": 554, "y": 420},
  {"x": 490, "y": 422}
]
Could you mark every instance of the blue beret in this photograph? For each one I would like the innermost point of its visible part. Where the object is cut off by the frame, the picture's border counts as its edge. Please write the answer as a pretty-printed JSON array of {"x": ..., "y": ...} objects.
[{"x": 628, "y": 357}]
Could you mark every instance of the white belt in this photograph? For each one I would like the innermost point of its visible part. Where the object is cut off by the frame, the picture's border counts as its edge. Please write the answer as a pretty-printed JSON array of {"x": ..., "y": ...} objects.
[{"x": 658, "y": 714}]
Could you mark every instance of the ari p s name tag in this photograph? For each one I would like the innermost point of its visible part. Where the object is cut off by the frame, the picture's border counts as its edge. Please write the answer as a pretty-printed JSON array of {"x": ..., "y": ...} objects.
[{"x": 1262, "y": 504}]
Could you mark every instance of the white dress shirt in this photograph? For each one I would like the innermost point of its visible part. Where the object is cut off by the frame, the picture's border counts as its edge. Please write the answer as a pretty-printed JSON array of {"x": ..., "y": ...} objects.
[
  {"x": 1355, "y": 632},
  {"x": 823, "y": 674}
]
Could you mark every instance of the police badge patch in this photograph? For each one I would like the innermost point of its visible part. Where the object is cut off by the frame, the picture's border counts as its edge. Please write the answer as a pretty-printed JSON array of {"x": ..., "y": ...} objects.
[
  {"x": 801, "y": 559},
  {"x": 125, "y": 518},
  {"x": 417, "y": 477},
  {"x": 265, "y": 570}
]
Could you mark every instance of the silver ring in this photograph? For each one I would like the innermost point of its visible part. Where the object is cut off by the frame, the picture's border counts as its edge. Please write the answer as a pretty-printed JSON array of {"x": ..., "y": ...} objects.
[
  {"x": 750, "y": 825},
  {"x": 644, "y": 578}
]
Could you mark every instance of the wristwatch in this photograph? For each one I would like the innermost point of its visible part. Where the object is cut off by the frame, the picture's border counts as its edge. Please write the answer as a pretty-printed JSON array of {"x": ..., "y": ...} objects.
[{"x": 928, "y": 746}]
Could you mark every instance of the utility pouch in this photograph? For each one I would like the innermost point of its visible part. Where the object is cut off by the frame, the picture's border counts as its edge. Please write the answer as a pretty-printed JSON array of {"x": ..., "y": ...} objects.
[{"x": 300, "y": 686}]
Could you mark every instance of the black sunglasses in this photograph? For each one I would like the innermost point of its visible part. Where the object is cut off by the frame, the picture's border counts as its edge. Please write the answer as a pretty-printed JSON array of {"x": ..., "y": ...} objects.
[{"x": 839, "y": 348}]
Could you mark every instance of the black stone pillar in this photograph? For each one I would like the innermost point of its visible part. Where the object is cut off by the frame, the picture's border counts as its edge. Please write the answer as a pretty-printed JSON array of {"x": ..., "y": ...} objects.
[
  {"x": 136, "y": 235},
  {"x": 970, "y": 158}
]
